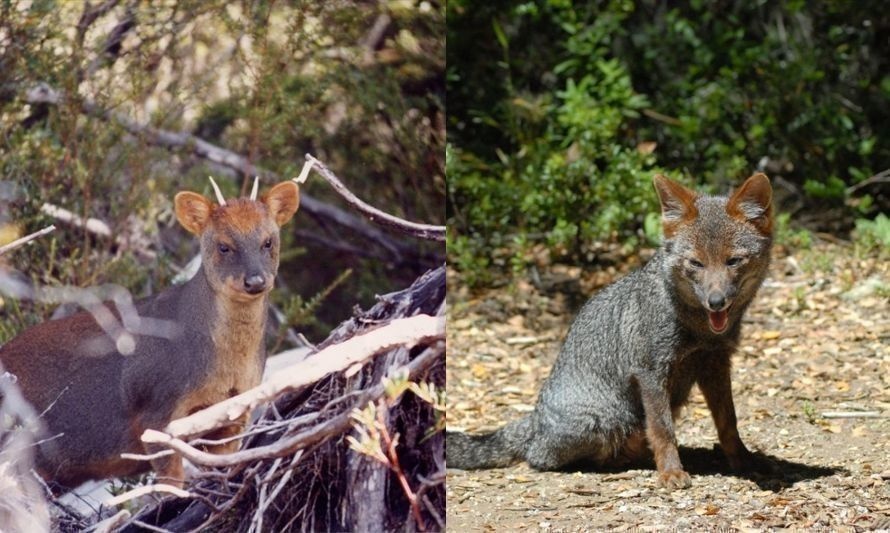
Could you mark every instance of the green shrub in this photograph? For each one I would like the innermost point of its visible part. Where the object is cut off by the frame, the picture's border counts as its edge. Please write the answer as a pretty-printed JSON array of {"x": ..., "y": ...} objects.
[
  {"x": 560, "y": 112},
  {"x": 874, "y": 235}
]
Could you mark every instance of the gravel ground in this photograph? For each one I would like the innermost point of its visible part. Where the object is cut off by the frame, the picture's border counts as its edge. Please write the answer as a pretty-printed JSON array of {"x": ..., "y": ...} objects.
[{"x": 816, "y": 345}]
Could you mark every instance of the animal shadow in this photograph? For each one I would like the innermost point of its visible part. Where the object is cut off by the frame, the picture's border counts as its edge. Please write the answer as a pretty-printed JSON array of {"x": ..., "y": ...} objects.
[{"x": 774, "y": 473}]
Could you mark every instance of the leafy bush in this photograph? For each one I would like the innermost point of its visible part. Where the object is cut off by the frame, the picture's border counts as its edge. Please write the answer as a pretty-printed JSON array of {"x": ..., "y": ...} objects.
[
  {"x": 874, "y": 235},
  {"x": 270, "y": 81},
  {"x": 571, "y": 172},
  {"x": 560, "y": 112}
]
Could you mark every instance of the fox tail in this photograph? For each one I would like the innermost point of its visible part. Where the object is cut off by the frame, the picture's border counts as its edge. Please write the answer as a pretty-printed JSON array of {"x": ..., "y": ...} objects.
[{"x": 490, "y": 450}]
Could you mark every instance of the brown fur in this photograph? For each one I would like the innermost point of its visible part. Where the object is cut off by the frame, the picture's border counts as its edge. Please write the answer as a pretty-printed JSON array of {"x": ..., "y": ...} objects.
[
  {"x": 678, "y": 204},
  {"x": 240, "y": 216},
  {"x": 236, "y": 365},
  {"x": 757, "y": 189},
  {"x": 97, "y": 403}
]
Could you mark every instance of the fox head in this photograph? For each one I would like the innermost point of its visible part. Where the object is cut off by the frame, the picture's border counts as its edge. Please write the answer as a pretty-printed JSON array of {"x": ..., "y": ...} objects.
[
  {"x": 239, "y": 238},
  {"x": 717, "y": 247}
]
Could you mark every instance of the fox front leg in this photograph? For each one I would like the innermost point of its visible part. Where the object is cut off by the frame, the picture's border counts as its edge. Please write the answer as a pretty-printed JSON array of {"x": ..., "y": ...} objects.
[
  {"x": 661, "y": 437},
  {"x": 716, "y": 387}
]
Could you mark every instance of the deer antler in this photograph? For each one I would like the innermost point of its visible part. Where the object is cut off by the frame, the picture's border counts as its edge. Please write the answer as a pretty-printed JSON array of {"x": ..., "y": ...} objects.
[
  {"x": 256, "y": 185},
  {"x": 219, "y": 196}
]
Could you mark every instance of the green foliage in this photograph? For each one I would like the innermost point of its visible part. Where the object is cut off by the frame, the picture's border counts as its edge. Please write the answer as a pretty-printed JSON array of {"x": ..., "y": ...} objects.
[
  {"x": 874, "y": 235},
  {"x": 567, "y": 174},
  {"x": 795, "y": 82},
  {"x": 809, "y": 411},
  {"x": 303, "y": 314},
  {"x": 788, "y": 236},
  {"x": 270, "y": 81},
  {"x": 560, "y": 112}
]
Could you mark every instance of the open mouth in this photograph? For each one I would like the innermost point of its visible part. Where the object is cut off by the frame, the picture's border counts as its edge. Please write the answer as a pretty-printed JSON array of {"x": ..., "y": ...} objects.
[{"x": 718, "y": 320}]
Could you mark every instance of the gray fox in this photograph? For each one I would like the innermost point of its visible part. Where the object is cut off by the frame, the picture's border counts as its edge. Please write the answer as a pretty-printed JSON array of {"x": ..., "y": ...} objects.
[{"x": 635, "y": 349}]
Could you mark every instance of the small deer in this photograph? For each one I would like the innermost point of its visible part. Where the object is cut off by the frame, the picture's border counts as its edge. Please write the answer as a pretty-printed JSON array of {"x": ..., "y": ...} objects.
[{"x": 96, "y": 402}]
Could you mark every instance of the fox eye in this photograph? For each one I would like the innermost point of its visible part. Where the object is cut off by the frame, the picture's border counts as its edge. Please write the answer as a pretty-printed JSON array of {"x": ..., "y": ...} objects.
[
  {"x": 223, "y": 249},
  {"x": 268, "y": 244},
  {"x": 733, "y": 261},
  {"x": 696, "y": 263}
]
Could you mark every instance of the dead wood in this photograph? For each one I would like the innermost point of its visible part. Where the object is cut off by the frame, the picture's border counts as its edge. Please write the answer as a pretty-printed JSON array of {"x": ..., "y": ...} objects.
[
  {"x": 313, "y": 480},
  {"x": 25, "y": 240},
  {"x": 422, "y": 231}
]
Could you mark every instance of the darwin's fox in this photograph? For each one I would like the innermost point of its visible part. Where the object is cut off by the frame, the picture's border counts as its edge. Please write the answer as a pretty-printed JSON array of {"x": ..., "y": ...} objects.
[{"x": 635, "y": 349}]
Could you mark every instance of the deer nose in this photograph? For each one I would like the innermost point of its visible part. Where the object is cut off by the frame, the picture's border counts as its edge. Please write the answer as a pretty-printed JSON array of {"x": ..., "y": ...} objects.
[
  {"x": 716, "y": 301},
  {"x": 254, "y": 284}
]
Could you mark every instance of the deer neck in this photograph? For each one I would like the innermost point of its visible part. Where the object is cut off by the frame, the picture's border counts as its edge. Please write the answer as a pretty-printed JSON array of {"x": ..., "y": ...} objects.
[{"x": 237, "y": 332}]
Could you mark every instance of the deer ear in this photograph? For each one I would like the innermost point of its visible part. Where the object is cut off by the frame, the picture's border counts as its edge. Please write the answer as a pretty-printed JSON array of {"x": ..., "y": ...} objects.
[
  {"x": 283, "y": 201},
  {"x": 677, "y": 204},
  {"x": 193, "y": 211},
  {"x": 751, "y": 203}
]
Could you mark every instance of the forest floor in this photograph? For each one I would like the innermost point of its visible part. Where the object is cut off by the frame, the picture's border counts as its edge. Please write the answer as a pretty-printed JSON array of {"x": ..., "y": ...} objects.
[{"x": 816, "y": 342}]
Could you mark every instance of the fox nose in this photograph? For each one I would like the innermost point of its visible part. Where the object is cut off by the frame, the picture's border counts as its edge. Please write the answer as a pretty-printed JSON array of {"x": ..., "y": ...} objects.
[
  {"x": 716, "y": 301},
  {"x": 254, "y": 284}
]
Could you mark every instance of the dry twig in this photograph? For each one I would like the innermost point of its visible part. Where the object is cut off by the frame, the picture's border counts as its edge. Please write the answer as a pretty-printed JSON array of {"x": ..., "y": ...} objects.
[
  {"x": 400, "y": 332},
  {"x": 147, "y": 489},
  {"x": 42, "y": 93},
  {"x": 423, "y": 231},
  {"x": 25, "y": 240}
]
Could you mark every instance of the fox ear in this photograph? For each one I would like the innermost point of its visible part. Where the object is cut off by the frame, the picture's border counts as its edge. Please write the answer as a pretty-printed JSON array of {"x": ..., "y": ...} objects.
[
  {"x": 283, "y": 201},
  {"x": 192, "y": 211},
  {"x": 751, "y": 203},
  {"x": 677, "y": 204}
]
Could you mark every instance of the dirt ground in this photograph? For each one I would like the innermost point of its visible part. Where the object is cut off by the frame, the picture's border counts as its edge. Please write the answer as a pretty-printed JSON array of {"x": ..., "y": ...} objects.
[{"x": 811, "y": 384}]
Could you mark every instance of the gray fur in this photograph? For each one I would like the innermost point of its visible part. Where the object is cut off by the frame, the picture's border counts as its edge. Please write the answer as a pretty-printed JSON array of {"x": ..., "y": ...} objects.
[{"x": 648, "y": 330}]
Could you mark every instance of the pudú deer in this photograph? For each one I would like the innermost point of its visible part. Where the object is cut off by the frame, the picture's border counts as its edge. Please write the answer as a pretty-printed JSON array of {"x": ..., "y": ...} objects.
[{"x": 96, "y": 401}]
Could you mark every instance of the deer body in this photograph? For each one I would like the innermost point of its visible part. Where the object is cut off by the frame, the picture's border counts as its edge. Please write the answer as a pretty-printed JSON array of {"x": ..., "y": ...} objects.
[{"x": 96, "y": 402}]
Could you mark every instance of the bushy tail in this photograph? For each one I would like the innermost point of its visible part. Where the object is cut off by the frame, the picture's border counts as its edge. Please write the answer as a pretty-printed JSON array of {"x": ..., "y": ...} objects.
[{"x": 491, "y": 450}]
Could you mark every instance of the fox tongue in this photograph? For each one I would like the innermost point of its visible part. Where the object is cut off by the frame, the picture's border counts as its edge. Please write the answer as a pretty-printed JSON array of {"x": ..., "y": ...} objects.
[{"x": 718, "y": 320}]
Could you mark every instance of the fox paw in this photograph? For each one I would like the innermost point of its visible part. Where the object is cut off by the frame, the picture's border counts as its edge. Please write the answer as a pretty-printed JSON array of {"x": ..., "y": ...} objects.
[{"x": 674, "y": 479}]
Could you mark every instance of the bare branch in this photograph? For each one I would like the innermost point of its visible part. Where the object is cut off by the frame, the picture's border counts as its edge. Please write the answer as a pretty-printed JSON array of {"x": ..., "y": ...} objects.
[
  {"x": 113, "y": 523},
  {"x": 90, "y": 15},
  {"x": 423, "y": 231},
  {"x": 25, "y": 240},
  {"x": 44, "y": 94},
  {"x": 400, "y": 332},
  {"x": 91, "y": 225},
  {"x": 148, "y": 489},
  {"x": 881, "y": 177},
  {"x": 288, "y": 445},
  {"x": 99, "y": 228}
]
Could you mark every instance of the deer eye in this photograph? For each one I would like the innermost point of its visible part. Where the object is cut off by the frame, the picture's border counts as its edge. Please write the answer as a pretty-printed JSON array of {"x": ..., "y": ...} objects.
[
  {"x": 223, "y": 249},
  {"x": 268, "y": 244}
]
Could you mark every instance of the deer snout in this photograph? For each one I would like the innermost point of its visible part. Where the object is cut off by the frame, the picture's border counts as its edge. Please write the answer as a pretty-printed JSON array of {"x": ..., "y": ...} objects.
[{"x": 254, "y": 283}]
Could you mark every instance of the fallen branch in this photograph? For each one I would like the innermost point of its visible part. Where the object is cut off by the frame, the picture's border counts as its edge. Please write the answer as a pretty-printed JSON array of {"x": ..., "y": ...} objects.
[
  {"x": 97, "y": 227},
  {"x": 851, "y": 414},
  {"x": 91, "y": 225},
  {"x": 400, "y": 332},
  {"x": 111, "y": 524},
  {"x": 147, "y": 489},
  {"x": 423, "y": 231},
  {"x": 881, "y": 177},
  {"x": 297, "y": 446},
  {"x": 25, "y": 240},
  {"x": 287, "y": 445}
]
